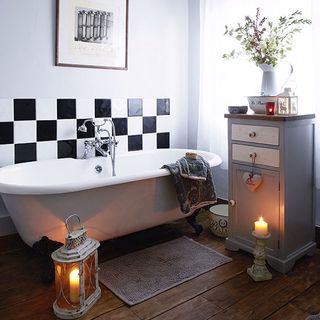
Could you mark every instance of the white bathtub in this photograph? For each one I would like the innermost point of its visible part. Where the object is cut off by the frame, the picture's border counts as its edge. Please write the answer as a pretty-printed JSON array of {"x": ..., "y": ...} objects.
[{"x": 40, "y": 195}]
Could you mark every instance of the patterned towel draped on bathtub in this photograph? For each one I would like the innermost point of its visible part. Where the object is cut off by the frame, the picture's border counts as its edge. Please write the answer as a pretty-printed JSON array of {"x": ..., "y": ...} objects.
[{"x": 193, "y": 182}]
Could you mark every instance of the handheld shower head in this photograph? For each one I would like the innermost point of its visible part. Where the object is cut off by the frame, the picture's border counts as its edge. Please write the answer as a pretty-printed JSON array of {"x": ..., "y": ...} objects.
[{"x": 83, "y": 128}]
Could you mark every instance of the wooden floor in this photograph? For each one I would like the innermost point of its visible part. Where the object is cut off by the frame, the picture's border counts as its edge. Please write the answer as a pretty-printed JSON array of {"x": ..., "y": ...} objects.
[{"x": 224, "y": 293}]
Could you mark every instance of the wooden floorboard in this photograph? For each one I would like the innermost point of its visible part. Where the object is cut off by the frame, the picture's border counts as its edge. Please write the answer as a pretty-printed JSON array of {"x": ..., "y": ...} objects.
[
  {"x": 223, "y": 293},
  {"x": 288, "y": 312},
  {"x": 309, "y": 301},
  {"x": 232, "y": 291},
  {"x": 118, "y": 314},
  {"x": 270, "y": 296},
  {"x": 11, "y": 243},
  {"x": 190, "y": 289},
  {"x": 198, "y": 308}
]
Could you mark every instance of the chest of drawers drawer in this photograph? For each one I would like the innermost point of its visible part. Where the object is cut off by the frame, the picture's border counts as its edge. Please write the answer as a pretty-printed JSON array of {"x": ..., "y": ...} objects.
[
  {"x": 263, "y": 156},
  {"x": 255, "y": 134}
]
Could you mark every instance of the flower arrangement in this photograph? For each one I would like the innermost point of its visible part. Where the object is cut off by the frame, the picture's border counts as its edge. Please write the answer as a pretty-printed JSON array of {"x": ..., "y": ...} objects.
[{"x": 262, "y": 40}]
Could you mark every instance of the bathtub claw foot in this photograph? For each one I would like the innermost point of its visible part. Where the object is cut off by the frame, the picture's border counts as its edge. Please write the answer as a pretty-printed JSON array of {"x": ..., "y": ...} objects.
[
  {"x": 192, "y": 221},
  {"x": 43, "y": 248}
]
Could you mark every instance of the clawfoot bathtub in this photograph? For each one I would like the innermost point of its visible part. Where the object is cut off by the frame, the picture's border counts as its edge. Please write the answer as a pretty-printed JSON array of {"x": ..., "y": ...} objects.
[{"x": 40, "y": 195}]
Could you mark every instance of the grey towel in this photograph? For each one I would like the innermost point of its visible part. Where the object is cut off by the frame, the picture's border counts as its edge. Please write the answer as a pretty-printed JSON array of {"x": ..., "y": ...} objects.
[
  {"x": 193, "y": 168},
  {"x": 195, "y": 187}
]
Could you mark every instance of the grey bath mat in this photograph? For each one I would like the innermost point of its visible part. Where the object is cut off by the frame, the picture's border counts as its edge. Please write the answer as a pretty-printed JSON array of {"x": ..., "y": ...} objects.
[
  {"x": 143, "y": 274},
  {"x": 313, "y": 317}
]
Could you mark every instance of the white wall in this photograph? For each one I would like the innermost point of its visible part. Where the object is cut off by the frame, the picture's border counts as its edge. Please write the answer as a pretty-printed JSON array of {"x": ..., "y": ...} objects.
[
  {"x": 194, "y": 67},
  {"x": 220, "y": 175},
  {"x": 157, "y": 58}
]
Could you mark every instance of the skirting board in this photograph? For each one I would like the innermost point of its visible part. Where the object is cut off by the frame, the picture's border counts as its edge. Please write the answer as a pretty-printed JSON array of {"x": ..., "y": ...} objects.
[{"x": 6, "y": 226}]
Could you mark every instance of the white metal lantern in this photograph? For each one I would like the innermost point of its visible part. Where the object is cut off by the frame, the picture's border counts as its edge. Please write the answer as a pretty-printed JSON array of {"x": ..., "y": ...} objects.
[
  {"x": 76, "y": 274},
  {"x": 287, "y": 103}
]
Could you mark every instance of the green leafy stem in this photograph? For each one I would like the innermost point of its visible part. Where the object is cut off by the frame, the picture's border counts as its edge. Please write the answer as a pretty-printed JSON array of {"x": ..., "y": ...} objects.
[{"x": 262, "y": 40}]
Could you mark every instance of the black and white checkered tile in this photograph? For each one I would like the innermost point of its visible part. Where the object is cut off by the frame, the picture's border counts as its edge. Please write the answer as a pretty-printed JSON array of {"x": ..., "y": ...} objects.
[{"x": 39, "y": 129}]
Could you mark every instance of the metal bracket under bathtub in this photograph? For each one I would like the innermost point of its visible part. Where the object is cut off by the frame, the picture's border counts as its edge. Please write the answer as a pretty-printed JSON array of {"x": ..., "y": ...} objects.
[{"x": 195, "y": 225}]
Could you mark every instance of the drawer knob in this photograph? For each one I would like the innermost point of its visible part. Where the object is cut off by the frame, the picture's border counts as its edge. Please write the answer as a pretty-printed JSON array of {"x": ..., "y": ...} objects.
[
  {"x": 232, "y": 203},
  {"x": 252, "y": 134},
  {"x": 253, "y": 155}
]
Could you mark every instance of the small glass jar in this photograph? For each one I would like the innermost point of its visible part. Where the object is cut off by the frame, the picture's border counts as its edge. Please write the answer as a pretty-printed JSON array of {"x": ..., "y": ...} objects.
[{"x": 270, "y": 106}]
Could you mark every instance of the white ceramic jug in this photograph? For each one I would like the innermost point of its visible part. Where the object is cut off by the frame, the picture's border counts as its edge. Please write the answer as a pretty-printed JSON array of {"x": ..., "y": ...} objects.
[{"x": 269, "y": 84}]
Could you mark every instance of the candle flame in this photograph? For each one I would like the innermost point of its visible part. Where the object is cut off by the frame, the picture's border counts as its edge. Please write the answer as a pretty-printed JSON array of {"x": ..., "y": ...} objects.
[{"x": 261, "y": 219}]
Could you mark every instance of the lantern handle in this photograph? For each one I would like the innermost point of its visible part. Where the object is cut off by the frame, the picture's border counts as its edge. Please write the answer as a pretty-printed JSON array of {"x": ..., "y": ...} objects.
[{"x": 67, "y": 221}]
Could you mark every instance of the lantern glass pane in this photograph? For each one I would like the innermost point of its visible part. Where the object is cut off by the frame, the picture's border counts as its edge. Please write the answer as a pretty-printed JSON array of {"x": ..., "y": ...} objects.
[
  {"x": 67, "y": 280},
  {"x": 90, "y": 270},
  {"x": 294, "y": 105},
  {"x": 283, "y": 105}
]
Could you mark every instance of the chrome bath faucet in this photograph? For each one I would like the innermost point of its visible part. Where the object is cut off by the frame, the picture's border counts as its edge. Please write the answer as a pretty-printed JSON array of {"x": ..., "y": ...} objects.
[{"x": 99, "y": 141}]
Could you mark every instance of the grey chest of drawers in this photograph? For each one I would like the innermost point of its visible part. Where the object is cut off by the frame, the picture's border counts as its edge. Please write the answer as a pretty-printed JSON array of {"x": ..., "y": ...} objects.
[{"x": 282, "y": 147}]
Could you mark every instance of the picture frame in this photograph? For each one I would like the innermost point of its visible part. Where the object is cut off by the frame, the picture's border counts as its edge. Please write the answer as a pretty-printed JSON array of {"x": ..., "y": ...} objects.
[{"x": 92, "y": 34}]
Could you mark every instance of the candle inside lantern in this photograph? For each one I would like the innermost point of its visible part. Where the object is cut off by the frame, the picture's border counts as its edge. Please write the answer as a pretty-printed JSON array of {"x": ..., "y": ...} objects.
[
  {"x": 261, "y": 227},
  {"x": 270, "y": 108},
  {"x": 74, "y": 279}
]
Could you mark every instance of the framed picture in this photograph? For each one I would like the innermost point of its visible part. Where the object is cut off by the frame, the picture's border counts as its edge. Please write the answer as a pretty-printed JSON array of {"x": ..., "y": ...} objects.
[{"x": 92, "y": 34}]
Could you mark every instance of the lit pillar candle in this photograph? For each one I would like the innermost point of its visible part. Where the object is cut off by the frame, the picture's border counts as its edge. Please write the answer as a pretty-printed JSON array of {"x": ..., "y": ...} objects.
[
  {"x": 261, "y": 227},
  {"x": 74, "y": 285}
]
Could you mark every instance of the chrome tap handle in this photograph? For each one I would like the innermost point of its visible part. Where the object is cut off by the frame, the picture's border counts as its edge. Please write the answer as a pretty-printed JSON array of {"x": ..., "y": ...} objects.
[
  {"x": 103, "y": 152},
  {"x": 88, "y": 144}
]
